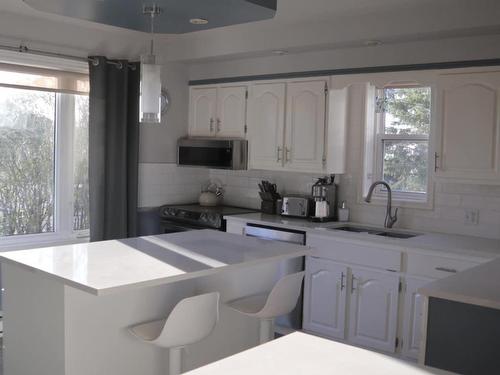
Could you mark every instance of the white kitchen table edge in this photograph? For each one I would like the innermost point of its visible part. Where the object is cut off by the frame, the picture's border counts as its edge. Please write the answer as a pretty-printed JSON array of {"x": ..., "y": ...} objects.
[{"x": 4, "y": 258}]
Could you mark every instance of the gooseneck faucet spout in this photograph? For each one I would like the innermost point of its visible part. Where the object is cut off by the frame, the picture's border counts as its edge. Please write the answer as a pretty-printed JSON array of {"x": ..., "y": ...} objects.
[{"x": 390, "y": 219}]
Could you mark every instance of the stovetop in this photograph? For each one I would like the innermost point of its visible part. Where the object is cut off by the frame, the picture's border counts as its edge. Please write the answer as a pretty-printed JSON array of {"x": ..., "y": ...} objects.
[{"x": 211, "y": 217}]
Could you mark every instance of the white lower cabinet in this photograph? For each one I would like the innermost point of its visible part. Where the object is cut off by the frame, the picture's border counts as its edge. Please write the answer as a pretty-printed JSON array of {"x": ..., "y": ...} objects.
[
  {"x": 325, "y": 297},
  {"x": 373, "y": 316},
  {"x": 412, "y": 321},
  {"x": 367, "y": 299}
]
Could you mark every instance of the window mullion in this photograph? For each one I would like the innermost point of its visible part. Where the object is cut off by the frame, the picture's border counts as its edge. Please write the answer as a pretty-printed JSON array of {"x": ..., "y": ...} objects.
[{"x": 65, "y": 114}]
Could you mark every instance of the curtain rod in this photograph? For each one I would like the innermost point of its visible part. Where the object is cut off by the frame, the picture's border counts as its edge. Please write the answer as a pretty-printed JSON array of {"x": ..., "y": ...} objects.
[{"x": 95, "y": 61}]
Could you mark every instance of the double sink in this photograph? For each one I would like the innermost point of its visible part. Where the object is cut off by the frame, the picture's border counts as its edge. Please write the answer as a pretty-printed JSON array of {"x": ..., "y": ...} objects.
[{"x": 376, "y": 232}]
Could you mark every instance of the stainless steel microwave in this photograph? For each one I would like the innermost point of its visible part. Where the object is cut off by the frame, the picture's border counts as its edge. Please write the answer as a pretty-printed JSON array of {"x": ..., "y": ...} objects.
[{"x": 212, "y": 153}]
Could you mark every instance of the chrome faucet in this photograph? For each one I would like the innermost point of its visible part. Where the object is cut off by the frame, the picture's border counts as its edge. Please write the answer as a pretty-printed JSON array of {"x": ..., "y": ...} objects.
[{"x": 389, "y": 218}]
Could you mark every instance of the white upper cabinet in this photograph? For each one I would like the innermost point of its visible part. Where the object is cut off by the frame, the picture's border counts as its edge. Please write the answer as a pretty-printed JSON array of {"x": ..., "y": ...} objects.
[
  {"x": 325, "y": 297},
  {"x": 231, "y": 111},
  {"x": 266, "y": 121},
  {"x": 374, "y": 309},
  {"x": 218, "y": 111},
  {"x": 468, "y": 115},
  {"x": 202, "y": 111},
  {"x": 305, "y": 131}
]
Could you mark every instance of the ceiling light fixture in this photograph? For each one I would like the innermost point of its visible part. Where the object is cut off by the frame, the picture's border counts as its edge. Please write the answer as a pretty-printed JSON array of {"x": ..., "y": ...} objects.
[
  {"x": 150, "y": 91},
  {"x": 372, "y": 43},
  {"x": 280, "y": 52},
  {"x": 198, "y": 21}
]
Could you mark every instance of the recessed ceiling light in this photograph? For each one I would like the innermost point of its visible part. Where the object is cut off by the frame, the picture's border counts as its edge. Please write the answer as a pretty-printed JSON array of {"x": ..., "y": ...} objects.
[
  {"x": 372, "y": 42},
  {"x": 198, "y": 21},
  {"x": 280, "y": 52}
]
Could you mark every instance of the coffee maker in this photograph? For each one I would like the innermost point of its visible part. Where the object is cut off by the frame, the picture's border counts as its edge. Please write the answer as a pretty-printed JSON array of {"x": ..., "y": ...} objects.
[{"x": 324, "y": 193}]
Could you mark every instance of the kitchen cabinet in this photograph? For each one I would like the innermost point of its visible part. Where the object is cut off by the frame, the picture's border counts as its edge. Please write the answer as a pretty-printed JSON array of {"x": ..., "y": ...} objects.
[
  {"x": 412, "y": 320},
  {"x": 467, "y": 115},
  {"x": 202, "y": 111},
  {"x": 305, "y": 130},
  {"x": 266, "y": 119},
  {"x": 325, "y": 297},
  {"x": 291, "y": 127},
  {"x": 373, "y": 312},
  {"x": 218, "y": 111}
]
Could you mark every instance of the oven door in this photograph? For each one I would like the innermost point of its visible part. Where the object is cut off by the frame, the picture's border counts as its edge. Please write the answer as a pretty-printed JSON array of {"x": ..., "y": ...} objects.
[{"x": 170, "y": 226}]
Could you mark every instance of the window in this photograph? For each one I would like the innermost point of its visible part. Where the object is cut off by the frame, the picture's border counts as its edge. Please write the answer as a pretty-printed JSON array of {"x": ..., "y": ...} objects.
[
  {"x": 402, "y": 128},
  {"x": 43, "y": 154}
]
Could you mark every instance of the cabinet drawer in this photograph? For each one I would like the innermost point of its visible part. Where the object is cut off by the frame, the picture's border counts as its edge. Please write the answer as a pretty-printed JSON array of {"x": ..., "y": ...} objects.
[
  {"x": 355, "y": 253},
  {"x": 436, "y": 267}
]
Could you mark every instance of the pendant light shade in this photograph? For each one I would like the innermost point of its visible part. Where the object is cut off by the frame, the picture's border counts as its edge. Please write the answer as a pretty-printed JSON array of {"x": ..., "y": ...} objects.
[{"x": 150, "y": 102}]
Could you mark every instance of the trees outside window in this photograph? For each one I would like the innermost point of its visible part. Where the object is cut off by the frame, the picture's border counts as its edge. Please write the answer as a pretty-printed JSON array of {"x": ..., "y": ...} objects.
[
  {"x": 34, "y": 131},
  {"x": 403, "y": 124}
]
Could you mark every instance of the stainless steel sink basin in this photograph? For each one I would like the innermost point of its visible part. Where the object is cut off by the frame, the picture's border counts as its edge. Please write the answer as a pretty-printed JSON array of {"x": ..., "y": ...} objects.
[{"x": 376, "y": 232}]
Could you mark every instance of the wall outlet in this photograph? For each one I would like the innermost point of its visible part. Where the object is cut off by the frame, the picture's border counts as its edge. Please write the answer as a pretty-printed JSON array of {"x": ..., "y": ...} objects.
[{"x": 471, "y": 216}]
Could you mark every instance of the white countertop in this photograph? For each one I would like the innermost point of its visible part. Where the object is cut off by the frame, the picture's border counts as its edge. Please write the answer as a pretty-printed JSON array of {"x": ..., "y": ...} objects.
[
  {"x": 477, "y": 286},
  {"x": 109, "y": 266},
  {"x": 303, "y": 354},
  {"x": 456, "y": 245}
]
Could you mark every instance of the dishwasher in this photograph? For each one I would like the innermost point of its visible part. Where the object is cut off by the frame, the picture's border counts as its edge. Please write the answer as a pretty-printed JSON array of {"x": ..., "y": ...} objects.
[{"x": 293, "y": 321}]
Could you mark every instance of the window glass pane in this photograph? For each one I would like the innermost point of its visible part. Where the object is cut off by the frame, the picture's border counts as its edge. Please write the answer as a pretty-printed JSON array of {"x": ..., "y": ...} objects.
[
  {"x": 27, "y": 134},
  {"x": 407, "y": 110},
  {"x": 81, "y": 164},
  {"x": 405, "y": 165}
]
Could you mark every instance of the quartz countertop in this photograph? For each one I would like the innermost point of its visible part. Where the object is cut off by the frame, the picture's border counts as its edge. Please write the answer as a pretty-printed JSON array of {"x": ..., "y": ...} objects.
[
  {"x": 476, "y": 248},
  {"x": 300, "y": 353},
  {"x": 110, "y": 266},
  {"x": 476, "y": 286}
]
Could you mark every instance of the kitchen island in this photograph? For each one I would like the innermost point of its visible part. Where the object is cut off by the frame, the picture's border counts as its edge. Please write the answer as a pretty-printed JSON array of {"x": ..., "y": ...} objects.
[{"x": 67, "y": 308}]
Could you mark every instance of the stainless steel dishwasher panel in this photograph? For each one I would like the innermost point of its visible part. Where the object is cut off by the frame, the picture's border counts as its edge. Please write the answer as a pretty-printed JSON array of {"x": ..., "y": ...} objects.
[{"x": 294, "y": 319}]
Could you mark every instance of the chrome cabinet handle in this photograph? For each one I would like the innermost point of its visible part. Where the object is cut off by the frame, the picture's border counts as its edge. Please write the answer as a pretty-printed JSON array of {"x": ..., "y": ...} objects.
[
  {"x": 211, "y": 124},
  {"x": 444, "y": 269},
  {"x": 287, "y": 154},
  {"x": 278, "y": 157},
  {"x": 436, "y": 164},
  {"x": 342, "y": 285},
  {"x": 352, "y": 284},
  {"x": 218, "y": 125}
]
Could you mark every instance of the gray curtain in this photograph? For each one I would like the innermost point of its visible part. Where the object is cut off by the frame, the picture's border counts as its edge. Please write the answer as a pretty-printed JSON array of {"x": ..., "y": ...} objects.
[{"x": 113, "y": 149}]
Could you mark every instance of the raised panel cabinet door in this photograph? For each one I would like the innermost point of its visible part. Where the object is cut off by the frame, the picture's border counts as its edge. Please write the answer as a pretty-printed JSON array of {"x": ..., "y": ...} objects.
[
  {"x": 325, "y": 297},
  {"x": 468, "y": 115},
  {"x": 202, "y": 111},
  {"x": 305, "y": 126},
  {"x": 266, "y": 121},
  {"x": 231, "y": 112},
  {"x": 373, "y": 316},
  {"x": 413, "y": 311}
]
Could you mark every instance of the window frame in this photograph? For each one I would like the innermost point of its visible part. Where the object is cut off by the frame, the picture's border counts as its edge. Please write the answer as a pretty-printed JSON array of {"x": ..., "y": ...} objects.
[
  {"x": 375, "y": 171},
  {"x": 63, "y": 182}
]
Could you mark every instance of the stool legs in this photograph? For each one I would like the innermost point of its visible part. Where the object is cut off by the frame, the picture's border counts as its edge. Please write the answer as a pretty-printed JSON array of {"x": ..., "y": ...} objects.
[
  {"x": 175, "y": 361},
  {"x": 266, "y": 332}
]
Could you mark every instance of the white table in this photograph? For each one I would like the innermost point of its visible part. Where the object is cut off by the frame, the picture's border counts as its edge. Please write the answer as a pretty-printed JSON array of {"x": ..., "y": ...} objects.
[
  {"x": 67, "y": 308},
  {"x": 303, "y": 354}
]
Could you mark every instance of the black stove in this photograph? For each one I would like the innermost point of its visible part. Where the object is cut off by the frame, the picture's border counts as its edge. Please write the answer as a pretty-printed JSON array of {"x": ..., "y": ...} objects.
[{"x": 180, "y": 218}]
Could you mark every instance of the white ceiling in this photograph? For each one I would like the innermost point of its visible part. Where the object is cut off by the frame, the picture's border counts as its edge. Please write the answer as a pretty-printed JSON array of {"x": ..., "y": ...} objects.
[{"x": 305, "y": 25}]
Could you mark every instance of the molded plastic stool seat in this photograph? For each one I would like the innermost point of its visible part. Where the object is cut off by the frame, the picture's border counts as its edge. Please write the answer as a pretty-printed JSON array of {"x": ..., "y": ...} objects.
[
  {"x": 191, "y": 320},
  {"x": 280, "y": 301}
]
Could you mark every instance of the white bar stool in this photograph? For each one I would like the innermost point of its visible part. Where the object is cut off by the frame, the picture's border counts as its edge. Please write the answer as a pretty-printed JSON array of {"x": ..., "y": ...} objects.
[
  {"x": 191, "y": 320},
  {"x": 267, "y": 306}
]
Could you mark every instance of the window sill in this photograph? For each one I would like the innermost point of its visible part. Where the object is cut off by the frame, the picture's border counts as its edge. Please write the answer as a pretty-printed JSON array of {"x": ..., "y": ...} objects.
[
  {"x": 33, "y": 241},
  {"x": 376, "y": 201}
]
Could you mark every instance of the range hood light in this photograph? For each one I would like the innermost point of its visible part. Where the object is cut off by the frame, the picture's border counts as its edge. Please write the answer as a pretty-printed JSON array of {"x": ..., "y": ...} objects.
[{"x": 198, "y": 21}]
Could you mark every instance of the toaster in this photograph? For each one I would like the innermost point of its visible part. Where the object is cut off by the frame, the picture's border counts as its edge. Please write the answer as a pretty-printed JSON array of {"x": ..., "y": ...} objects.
[{"x": 298, "y": 206}]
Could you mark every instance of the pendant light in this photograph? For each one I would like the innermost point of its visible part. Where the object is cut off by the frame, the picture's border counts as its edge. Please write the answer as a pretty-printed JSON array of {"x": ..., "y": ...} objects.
[{"x": 150, "y": 99}]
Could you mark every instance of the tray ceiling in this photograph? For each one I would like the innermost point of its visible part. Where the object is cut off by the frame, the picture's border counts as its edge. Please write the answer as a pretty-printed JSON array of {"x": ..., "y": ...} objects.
[{"x": 175, "y": 14}]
